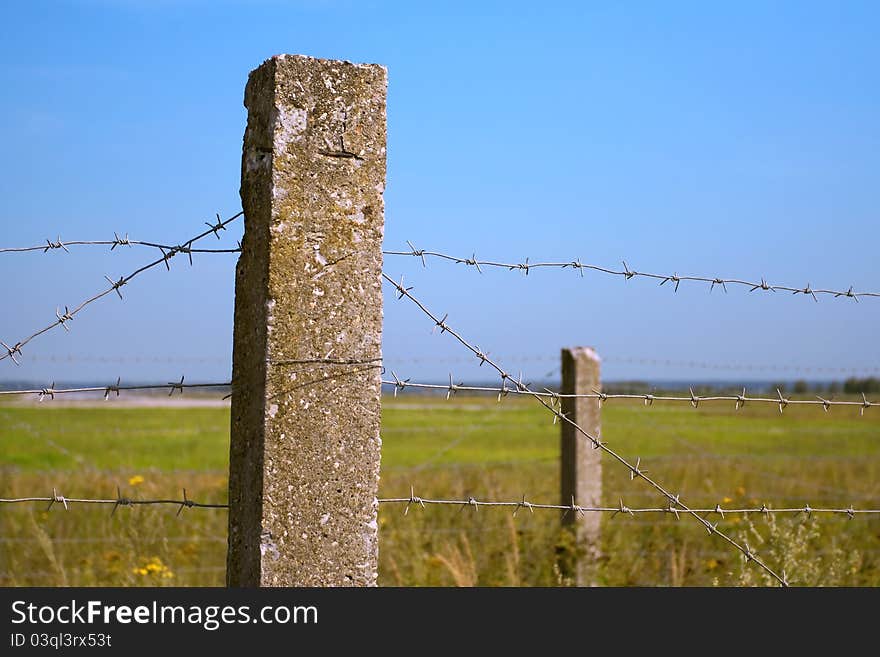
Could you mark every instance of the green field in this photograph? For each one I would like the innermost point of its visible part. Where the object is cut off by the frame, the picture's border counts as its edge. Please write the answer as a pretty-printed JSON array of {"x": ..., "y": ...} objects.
[{"x": 467, "y": 446}]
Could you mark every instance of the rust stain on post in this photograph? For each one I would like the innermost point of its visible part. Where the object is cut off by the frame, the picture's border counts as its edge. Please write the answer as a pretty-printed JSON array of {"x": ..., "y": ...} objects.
[
  {"x": 304, "y": 454},
  {"x": 581, "y": 474}
]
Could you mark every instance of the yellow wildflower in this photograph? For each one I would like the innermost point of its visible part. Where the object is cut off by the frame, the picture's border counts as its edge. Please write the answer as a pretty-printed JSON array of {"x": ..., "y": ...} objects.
[
  {"x": 134, "y": 481},
  {"x": 155, "y": 568}
]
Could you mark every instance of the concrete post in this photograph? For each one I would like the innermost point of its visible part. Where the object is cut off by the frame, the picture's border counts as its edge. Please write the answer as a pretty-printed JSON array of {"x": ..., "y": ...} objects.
[
  {"x": 304, "y": 453},
  {"x": 581, "y": 468}
]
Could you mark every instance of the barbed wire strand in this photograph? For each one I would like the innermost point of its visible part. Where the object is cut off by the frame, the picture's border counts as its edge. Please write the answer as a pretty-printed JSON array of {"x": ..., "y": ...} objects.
[
  {"x": 636, "y": 471},
  {"x": 400, "y": 385},
  {"x": 118, "y": 501},
  {"x": 601, "y": 397},
  {"x": 414, "y": 500},
  {"x": 172, "y": 386},
  {"x": 58, "y": 244},
  {"x": 627, "y": 273},
  {"x": 807, "y": 510},
  {"x": 49, "y": 246},
  {"x": 63, "y": 318}
]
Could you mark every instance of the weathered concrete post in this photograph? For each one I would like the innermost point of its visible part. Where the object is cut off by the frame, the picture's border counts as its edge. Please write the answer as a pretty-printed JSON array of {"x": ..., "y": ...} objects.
[
  {"x": 304, "y": 453},
  {"x": 581, "y": 468}
]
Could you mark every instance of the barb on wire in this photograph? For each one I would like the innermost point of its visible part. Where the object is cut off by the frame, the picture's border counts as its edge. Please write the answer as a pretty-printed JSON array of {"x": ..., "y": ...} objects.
[
  {"x": 63, "y": 319},
  {"x": 115, "y": 286},
  {"x": 627, "y": 273},
  {"x": 649, "y": 399},
  {"x": 594, "y": 440},
  {"x": 174, "y": 386},
  {"x": 216, "y": 228},
  {"x": 12, "y": 351}
]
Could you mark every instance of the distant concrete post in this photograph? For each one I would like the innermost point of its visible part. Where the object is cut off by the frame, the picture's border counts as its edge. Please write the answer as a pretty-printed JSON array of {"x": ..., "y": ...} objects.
[
  {"x": 581, "y": 468},
  {"x": 304, "y": 453}
]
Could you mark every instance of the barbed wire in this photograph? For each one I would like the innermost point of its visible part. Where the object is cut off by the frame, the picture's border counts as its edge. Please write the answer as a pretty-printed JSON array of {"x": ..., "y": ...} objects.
[
  {"x": 636, "y": 470},
  {"x": 399, "y": 385},
  {"x": 413, "y": 500},
  {"x": 58, "y": 244},
  {"x": 601, "y": 397},
  {"x": 621, "y": 508},
  {"x": 118, "y": 501},
  {"x": 627, "y": 273},
  {"x": 62, "y": 319},
  {"x": 171, "y": 386}
]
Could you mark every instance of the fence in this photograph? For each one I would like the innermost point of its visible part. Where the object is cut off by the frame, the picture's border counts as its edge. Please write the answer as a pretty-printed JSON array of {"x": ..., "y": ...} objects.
[{"x": 308, "y": 369}]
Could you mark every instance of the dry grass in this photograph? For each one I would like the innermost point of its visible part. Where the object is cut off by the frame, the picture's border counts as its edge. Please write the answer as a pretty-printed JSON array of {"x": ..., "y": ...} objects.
[{"x": 471, "y": 446}]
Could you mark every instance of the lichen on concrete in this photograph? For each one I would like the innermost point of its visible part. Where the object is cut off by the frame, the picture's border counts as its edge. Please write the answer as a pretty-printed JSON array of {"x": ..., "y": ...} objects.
[{"x": 304, "y": 458}]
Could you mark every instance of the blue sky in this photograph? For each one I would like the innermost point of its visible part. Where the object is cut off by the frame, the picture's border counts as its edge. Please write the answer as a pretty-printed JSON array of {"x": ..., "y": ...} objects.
[{"x": 738, "y": 140}]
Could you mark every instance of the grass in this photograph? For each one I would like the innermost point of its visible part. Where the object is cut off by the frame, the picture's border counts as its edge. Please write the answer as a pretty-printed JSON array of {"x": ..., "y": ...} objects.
[{"x": 468, "y": 446}]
